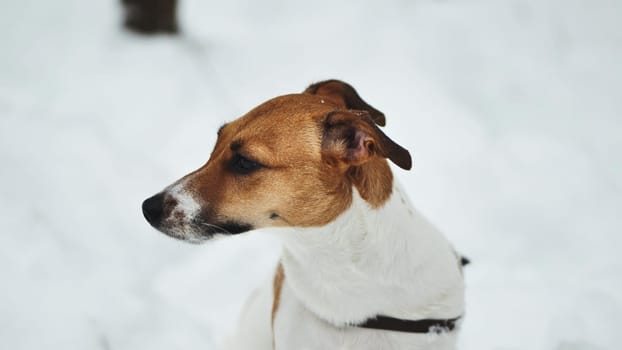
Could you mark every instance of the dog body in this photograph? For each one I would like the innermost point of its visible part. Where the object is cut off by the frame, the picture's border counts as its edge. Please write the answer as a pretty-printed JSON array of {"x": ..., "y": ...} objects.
[
  {"x": 353, "y": 246},
  {"x": 388, "y": 261}
]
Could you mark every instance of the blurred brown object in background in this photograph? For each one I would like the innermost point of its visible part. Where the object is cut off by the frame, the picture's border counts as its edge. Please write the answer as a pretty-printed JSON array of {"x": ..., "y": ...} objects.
[{"x": 151, "y": 16}]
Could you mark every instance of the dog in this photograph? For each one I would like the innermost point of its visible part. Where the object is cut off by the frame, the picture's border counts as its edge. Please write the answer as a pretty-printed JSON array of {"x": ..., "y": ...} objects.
[{"x": 360, "y": 267}]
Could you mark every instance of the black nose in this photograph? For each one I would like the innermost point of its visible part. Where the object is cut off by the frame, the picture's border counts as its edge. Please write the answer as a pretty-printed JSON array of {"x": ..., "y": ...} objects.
[{"x": 153, "y": 209}]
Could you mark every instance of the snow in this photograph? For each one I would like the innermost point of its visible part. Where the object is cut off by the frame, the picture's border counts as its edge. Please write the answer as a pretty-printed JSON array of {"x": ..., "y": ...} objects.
[{"x": 511, "y": 111}]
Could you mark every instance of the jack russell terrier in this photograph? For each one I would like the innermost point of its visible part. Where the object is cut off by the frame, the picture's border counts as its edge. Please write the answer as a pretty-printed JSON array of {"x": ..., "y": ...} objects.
[{"x": 360, "y": 268}]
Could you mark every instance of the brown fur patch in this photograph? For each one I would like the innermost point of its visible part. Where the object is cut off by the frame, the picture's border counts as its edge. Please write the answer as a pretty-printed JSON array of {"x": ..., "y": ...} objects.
[
  {"x": 373, "y": 180},
  {"x": 283, "y": 135},
  {"x": 301, "y": 181},
  {"x": 279, "y": 277}
]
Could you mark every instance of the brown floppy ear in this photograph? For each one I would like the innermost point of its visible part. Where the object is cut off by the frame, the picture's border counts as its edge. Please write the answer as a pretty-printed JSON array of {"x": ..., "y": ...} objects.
[
  {"x": 345, "y": 95},
  {"x": 351, "y": 138}
]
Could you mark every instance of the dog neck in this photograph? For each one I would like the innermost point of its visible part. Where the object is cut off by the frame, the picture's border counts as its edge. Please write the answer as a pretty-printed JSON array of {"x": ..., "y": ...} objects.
[{"x": 367, "y": 262}]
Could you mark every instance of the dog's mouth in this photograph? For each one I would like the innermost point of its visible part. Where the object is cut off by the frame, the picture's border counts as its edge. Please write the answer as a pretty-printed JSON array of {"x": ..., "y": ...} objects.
[
  {"x": 206, "y": 229},
  {"x": 183, "y": 222},
  {"x": 200, "y": 231}
]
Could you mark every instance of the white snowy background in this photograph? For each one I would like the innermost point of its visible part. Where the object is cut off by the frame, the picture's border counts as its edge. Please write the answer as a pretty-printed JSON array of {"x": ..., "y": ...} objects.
[{"x": 512, "y": 111}]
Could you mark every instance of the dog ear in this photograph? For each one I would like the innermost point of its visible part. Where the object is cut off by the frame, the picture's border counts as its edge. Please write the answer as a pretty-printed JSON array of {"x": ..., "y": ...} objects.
[
  {"x": 351, "y": 138},
  {"x": 345, "y": 95}
]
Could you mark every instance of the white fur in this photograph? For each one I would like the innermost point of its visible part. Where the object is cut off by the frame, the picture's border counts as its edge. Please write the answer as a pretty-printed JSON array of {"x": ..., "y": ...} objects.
[
  {"x": 182, "y": 216},
  {"x": 388, "y": 261},
  {"x": 186, "y": 204}
]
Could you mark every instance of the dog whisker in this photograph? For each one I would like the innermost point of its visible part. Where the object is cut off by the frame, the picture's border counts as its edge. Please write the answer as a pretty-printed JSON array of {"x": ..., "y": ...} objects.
[{"x": 216, "y": 227}]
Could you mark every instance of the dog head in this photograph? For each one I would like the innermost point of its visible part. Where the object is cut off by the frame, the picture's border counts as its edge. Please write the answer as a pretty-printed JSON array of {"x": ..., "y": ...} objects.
[{"x": 291, "y": 161}]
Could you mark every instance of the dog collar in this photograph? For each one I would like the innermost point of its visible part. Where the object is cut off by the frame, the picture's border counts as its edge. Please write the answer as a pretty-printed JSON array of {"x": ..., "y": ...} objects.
[{"x": 428, "y": 325}]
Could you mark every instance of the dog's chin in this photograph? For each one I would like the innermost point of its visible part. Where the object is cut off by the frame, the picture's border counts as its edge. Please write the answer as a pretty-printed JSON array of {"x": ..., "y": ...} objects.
[{"x": 197, "y": 234}]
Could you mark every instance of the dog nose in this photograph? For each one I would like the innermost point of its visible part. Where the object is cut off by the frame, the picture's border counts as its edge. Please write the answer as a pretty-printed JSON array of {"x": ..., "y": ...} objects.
[{"x": 153, "y": 209}]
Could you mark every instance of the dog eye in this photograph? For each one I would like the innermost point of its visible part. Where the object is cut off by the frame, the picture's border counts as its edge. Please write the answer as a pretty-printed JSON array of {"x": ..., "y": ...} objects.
[{"x": 243, "y": 166}]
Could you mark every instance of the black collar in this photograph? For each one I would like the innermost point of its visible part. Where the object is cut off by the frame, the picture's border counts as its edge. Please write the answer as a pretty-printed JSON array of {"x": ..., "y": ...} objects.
[{"x": 428, "y": 325}]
